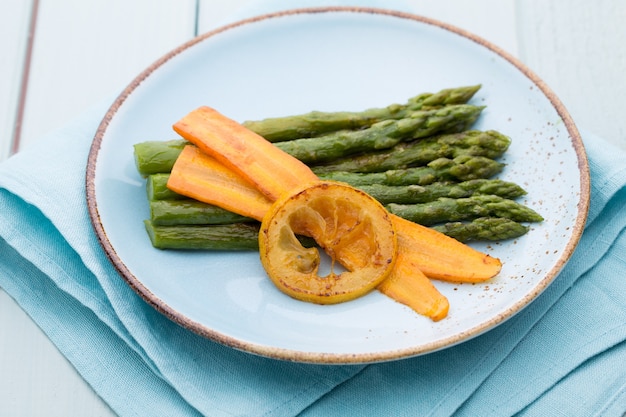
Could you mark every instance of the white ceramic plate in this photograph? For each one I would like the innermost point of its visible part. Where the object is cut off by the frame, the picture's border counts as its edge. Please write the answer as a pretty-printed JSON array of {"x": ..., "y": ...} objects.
[{"x": 334, "y": 59}]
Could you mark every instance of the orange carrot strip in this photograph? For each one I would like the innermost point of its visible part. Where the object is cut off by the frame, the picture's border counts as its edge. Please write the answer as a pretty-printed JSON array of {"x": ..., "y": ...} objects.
[
  {"x": 409, "y": 286},
  {"x": 268, "y": 168},
  {"x": 203, "y": 178},
  {"x": 441, "y": 257}
]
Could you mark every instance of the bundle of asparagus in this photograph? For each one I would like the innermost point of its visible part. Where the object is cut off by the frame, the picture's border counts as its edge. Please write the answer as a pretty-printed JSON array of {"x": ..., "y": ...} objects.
[{"x": 420, "y": 159}]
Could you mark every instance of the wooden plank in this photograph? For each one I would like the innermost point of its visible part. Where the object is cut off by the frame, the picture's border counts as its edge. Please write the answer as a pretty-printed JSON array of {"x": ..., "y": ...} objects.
[
  {"x": 212, "y": 13},
  {"x": 14, "y": 27},
  {"x": 579, "y": 51},
  {"x": 85, "y": 52}
]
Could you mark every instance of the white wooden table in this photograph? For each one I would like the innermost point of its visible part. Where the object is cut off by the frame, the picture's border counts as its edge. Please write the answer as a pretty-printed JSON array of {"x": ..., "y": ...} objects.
[{"x": 60, "y": 56}]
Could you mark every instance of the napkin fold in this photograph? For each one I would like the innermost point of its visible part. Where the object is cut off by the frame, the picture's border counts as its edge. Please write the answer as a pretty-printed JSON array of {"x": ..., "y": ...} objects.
[{"x": 564, "y": 354}]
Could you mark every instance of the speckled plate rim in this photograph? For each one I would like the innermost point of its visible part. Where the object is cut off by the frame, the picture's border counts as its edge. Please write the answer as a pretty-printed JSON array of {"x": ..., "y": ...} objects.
[{"x": 338, "y": 358}]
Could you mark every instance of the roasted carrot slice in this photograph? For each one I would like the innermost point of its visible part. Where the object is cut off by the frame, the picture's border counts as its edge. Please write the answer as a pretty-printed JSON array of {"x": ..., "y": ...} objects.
[
  {"x": 441, "y": 257},
  {"x": 268, "y": 168},
  {"x": 409, "y": 286},
  {"x": 199, "y": 176}
]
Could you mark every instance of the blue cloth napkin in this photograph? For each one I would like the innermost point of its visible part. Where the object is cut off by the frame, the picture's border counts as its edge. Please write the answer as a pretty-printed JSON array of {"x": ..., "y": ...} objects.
[{"x": 565, "y": 354}]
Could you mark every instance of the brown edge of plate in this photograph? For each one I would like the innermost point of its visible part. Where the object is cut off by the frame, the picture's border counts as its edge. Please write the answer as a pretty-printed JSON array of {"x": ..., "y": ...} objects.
[{"x": 333, "y": 358}]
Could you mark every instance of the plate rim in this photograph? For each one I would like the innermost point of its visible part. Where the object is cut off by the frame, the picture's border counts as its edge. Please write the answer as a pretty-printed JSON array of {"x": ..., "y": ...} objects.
[{"x": 321, "y": 357}]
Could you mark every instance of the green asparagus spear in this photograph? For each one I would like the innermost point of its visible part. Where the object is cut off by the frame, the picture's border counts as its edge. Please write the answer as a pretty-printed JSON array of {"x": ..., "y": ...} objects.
[
  {"x": 484, "y": 229},
  {"x": 159, "y": 157},
  {"x": 467, "y": 167},
  {"x": 414, "y": 194},
  {"x": 461, "y": 168},
  {"x": 244, "y": 236},
  {"x": 169, "y": 212},
  {"x": 156, "y": 188},
  {"x": 451, "y": 209},
  {"x": 317, "y": 123},
  {"x": 381, "y": 135},
  {"x": 153, "y": 157},
  {"x": 236, "y": 236},
  {"x": 175, "y": 212},
  {"x": 458, "y": 95},
  {"x": 489, "y": 144}
]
